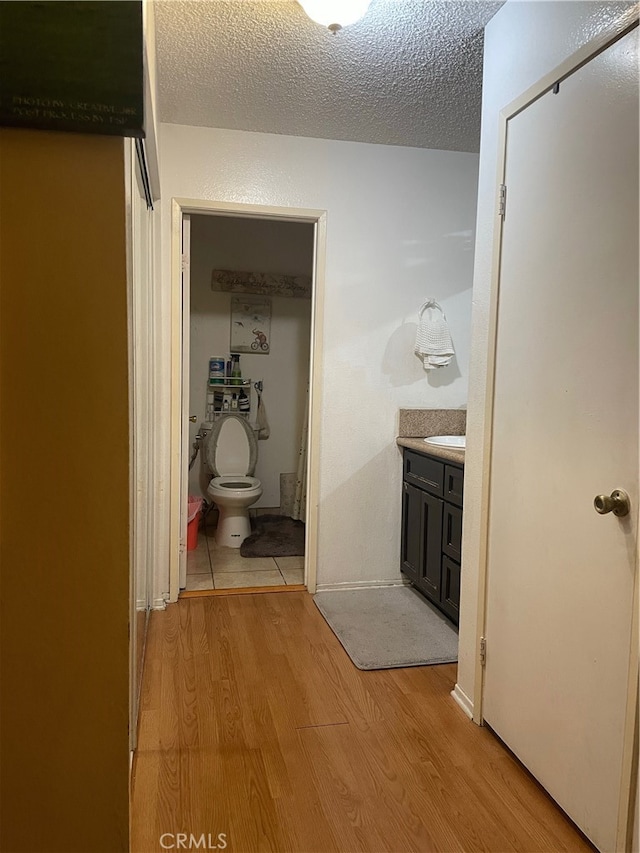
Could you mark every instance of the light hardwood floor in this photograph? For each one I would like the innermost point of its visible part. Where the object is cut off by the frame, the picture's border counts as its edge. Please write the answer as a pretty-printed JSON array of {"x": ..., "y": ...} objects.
[{"x": 255, "y": 723}]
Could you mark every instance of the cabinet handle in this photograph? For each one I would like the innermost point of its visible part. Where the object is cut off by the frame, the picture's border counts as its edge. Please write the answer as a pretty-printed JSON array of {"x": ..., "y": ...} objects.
[{"x": 406, "y": 487}]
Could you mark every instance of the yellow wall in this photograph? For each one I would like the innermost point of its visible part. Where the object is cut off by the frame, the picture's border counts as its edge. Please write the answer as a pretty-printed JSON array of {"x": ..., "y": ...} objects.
[{"x": 64, "y": 493}]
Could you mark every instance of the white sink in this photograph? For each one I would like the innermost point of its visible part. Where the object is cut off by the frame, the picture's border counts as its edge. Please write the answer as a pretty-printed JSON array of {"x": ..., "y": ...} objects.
[{"x": 453, "y": 442}]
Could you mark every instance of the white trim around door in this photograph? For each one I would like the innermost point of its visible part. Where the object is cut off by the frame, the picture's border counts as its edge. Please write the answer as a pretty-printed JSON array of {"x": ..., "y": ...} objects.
[{"x": 185, "y": 206}]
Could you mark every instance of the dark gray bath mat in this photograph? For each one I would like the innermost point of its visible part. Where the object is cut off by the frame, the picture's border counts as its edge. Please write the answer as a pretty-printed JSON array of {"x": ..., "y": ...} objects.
[
  {"x": 388, "y": 627},
  {"x": 275, "y": 536}
]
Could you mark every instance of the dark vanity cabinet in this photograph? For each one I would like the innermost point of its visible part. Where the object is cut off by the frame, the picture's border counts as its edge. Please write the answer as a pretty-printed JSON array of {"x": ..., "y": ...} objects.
[{"x": 432, "y": 491}]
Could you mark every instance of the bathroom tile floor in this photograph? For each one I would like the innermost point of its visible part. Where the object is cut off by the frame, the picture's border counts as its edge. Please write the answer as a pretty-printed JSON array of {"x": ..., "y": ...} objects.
[{"x": 210, "y": 566}]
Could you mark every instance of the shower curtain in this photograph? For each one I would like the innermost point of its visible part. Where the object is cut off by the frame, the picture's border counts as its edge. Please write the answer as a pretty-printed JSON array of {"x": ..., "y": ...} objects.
[{"x": 300, "y": 497}]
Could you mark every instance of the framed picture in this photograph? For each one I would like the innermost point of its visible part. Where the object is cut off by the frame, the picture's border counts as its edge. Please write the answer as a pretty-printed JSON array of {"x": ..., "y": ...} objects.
[{"x": 251, "y": 325}]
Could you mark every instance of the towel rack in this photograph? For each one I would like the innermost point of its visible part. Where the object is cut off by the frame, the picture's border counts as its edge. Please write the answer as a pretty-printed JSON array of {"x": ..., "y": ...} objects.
[{"x": 431, "y": 303}]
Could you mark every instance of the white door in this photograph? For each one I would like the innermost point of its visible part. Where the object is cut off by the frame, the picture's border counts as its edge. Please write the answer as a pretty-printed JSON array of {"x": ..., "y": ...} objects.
[
  {"x": 184, "y": 460},
  {"x": 565, "y": 429}
]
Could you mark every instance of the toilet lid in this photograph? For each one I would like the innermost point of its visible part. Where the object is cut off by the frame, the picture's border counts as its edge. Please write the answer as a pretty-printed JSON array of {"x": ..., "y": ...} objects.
[{"x": 231, "y": 447}]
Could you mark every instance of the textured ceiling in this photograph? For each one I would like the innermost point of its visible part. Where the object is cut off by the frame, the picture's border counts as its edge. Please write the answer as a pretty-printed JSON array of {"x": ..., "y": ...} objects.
[{"x": 409, "y": 73}]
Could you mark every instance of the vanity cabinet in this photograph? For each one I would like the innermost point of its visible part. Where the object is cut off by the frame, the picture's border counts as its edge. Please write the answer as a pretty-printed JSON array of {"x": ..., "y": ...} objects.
[{"x": 432, "y": 493}]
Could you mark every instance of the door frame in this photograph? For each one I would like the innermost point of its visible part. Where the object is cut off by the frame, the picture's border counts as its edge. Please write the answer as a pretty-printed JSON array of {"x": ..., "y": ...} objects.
[
  {"x": 141, "y": 436},
  {"x": 608, "y": 36},
  {"x": 318, "y": 218}
]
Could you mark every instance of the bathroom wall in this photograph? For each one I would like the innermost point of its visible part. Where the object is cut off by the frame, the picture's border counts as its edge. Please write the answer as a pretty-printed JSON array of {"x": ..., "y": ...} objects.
[
  {"x": 400, "y": 227},
  {"x": 255, "y": 246},
  {"x": 523, "y": 42},
  {"x": 64, "y": 527}
]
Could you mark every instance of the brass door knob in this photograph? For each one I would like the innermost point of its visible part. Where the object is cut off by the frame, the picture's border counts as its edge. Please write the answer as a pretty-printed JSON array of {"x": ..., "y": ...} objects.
[
  {"x": 617, "y": 502},
  {"x": 193, "y": 418}
]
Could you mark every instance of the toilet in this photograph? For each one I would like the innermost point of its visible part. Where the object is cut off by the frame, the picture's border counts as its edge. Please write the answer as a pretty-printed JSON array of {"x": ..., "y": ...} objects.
[{"x": 231, "y": 454}]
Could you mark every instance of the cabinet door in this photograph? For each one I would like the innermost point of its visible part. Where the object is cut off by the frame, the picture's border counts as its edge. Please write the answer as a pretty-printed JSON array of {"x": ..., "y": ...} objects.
[
  {"x": 411, "y": 517},
  {"x": 450, "y": 591},
  {"x": 453, "y": 484},
  {"x": 452, "y": 532},
  {"x": 431, "y": 539}
]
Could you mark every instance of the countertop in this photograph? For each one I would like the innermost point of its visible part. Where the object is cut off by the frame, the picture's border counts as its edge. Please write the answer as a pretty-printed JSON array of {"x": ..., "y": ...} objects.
[{"x": 419, "y": 445}]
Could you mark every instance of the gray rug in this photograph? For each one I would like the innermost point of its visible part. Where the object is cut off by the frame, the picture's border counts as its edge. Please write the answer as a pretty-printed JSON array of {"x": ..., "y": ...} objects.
[
  {"x": 388, "y": 627},
  {"x": 275, "y": 536}
]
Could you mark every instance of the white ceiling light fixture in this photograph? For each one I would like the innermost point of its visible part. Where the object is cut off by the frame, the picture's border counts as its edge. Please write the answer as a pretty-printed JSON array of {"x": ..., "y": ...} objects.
[{"x": 335, "y": 14}]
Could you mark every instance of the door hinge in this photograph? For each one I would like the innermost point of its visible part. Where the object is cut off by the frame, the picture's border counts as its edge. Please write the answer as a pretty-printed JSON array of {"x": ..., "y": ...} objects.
[
  {"x": 502, "y": 200},
  {"x": 185, "y": 262},
  {"x": 483, "y": 651}
]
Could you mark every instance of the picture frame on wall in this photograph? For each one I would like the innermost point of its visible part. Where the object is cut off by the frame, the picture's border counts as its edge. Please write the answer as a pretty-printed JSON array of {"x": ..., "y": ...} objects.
[{"x": 251, "y": 325}]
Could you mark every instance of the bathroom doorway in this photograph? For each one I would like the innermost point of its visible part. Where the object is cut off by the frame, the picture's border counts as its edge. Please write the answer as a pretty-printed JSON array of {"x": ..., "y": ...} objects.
[{"x": 247, "y": 291}]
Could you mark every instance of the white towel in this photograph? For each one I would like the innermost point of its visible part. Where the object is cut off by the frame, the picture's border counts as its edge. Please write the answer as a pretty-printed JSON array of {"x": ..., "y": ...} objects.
[
  {"x": 262, "y": 423},
  {"x": 433, "y": 338}
]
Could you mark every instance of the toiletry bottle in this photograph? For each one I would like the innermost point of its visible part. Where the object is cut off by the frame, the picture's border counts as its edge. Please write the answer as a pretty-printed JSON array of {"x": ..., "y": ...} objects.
[
  {"x": 236, "y": 373},
  {"x": 243, "y": 402}
]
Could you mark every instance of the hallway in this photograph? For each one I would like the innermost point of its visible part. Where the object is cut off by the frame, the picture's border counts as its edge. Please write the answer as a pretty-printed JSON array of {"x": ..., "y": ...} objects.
[{"x": 255, "y": 724}]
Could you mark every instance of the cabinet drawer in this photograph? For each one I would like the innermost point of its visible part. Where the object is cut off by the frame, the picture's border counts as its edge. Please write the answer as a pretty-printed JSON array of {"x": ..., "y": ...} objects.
[
  {"x": 450, "y": 589},
  {"x": 452, "y": 532},
  {"x": 453, "y": 484},
  {"x": 424, "y": 472}
]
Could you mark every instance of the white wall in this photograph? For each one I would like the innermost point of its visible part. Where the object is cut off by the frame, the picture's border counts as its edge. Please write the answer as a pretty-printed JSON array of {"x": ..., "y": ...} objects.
[
  {"x": 523, "y": 42},
  {"x": 254, "y": 245},
  {"x": 400, "y": 227}
]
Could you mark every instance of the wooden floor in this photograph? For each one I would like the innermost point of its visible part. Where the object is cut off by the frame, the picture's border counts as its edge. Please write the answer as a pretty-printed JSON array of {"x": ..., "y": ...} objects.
[{"x": 255, "y": 723}]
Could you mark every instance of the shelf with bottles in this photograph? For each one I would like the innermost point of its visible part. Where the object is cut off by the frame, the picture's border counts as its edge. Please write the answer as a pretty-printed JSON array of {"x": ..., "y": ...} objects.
[
  {"x": 230, "y": 383},
  {"x": 228, "y": 398},
  {"x": 212, "y": 416}
]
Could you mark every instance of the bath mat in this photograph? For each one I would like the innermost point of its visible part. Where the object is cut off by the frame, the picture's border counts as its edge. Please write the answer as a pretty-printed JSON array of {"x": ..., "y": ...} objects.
[
  {"x": 275, "y": 536},
  {"x": 388, "y": 627}
]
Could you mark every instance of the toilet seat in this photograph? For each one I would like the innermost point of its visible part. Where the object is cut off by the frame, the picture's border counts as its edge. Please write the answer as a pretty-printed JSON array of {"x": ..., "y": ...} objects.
[{"x": 234, "y": 486}]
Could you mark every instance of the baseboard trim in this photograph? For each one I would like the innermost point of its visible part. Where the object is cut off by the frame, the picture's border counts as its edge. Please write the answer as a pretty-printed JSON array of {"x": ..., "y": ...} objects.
[
  {"x": 461, "y": 698},
  {"x": 336, "y": 587},
  {"x": 242, "y": 590},
  {"x": 159, "y": 604}
]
